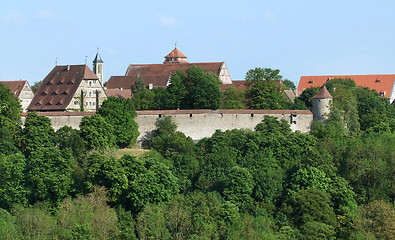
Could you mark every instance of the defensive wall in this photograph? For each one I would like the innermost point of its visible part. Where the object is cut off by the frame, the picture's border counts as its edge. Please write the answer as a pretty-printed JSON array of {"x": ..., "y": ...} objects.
[{"x": 196, "y": 124}]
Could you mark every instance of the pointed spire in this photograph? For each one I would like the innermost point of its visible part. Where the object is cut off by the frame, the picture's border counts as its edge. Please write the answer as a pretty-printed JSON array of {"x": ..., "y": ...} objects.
[
  {"x": 98, "y": 58},
  {"x": 323, "y": 93}
]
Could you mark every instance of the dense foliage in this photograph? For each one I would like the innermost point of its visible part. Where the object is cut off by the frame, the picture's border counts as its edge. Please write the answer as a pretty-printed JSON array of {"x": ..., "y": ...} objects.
[
  {"x": 270, "y": 183},
  {"x": 192, "y": 89}
]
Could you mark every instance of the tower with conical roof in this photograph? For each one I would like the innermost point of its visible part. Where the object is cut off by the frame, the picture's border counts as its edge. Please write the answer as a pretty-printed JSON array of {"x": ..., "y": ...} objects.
[
  {"x": 98, "y": 67},
  {"x": 321, "y": 104},
  {"x": 175, "y": 56}
]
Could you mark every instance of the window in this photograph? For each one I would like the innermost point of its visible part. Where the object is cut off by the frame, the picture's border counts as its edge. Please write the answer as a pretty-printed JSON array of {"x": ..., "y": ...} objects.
[
  {"x": 94, "y": 81},
  {"x": 310, "y": 81},
  {"x": 75, "y": 102},
  {"x": 378, "y": 80},
  {"x": 94, "y": 103},
  {"x": 90, "y": 94},
  {"x": 90, "y": 84},
  {"x": 382, "y": 94}
]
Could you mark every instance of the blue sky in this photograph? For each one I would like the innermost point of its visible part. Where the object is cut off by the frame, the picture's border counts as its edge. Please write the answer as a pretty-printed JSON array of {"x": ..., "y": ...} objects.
[{"x": 298, "y": 37}]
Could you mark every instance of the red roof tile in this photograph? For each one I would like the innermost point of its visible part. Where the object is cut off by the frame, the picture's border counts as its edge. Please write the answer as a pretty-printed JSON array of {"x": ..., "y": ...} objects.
[
  {"x": 59, "y": 86},
  {"x": 175, "y": 54},
  {"x": 124, "y": 93},
  {"x": 382, "y": 83},
  {"x": 156, "y": 74},
  {"x": 16, "y": 87}
]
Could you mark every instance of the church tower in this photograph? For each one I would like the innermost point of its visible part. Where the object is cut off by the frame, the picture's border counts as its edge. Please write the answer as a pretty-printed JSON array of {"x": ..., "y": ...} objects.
[
  {"x": 321, "y": 104},
  {"x": 98, "y": 67},
  {"x": 175, "y": 56}
]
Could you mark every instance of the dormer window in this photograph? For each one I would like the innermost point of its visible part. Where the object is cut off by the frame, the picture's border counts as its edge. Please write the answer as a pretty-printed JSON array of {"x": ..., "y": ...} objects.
[
  {"x": 310, "y": 81},
  {"x": 49, "y": 83},
  {"x": 48, "y": 104},
  {"x": 70, "y": 82},
  {"x": 382, "y": 94},
  {"x": 58, "y": 103},
  {"x": 59, "y": 83},
  {"x": 64, "y": 93},
  {"x": 43, "y": 94},
  {"x": 54, "y": 93},
  {"x": 378, "y": 80},
  {"x": 38, "y": 104}
]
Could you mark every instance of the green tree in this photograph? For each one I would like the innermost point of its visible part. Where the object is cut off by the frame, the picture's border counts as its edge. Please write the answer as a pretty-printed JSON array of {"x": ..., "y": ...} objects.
[
  {"x": 233, "y": 99},
  {"x": 35, "y": 222},
  {"x": 49, "y": 176},
  {"x": 10, "y": 120},
  {"x": 143, "y": 100},
  {"x": 202, "y": 88},
  {"x": 306, "y": 97},
  {"x": 87, "y": 217},
  {"x": 37, "y": 133},
  {"x": 238, "y": 187},
  {"x": 68, "y": 138},
  {"x": 36, "y": 86},
  {"x": 96, "y": 132},
  {"x": 12, "y": 180},
  {"x": 377, "y": 217},
  {"x": 266, "y": 90},
  {"x": 108, "y": 172},
  {"x": 309, "y": 177},
  {"x": 176, "y": 91},
  {"x": 120, "y": 114},
  {"x": 8, "y": 227},
  {"x": 155, "y": 185},
  {"x": 10, "y": 106},
  {"x": 289, "y": 84},
  {"x": 311, "y": 205}
]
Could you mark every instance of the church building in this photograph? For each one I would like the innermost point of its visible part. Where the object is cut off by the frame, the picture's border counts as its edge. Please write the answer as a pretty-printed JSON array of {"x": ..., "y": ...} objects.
[{"x": 158, "y": 75}]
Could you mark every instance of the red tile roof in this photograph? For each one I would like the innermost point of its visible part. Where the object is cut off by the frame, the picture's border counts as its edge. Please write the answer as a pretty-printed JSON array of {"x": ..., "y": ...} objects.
[
  {"x": 323, "y": 93},
  {"x": 16, "y": 87},
  {"x": 156, "y": 74},
  {"x": 59, "y": 86},
  {"x": 124, "y": 93},
  {"x": 175, "y": 54},
  {"x": 382, "y": 83}
]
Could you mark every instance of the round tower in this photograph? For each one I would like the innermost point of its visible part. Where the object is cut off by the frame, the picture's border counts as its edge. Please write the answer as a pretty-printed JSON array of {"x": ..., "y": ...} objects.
[
  {"x": 321, "y": 104},
  {"x": 98, "y": 67}
]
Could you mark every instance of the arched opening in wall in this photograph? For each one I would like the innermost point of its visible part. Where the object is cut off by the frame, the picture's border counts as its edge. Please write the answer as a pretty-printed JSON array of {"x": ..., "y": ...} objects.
[
  {"x": 252, "y": 115},
  {"x": 190, "y": 115},
  {"x": 160, "y": 115}
]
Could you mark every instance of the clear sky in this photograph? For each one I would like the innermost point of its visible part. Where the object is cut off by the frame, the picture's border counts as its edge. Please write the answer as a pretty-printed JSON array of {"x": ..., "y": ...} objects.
[{"x": 311, "y": 37}]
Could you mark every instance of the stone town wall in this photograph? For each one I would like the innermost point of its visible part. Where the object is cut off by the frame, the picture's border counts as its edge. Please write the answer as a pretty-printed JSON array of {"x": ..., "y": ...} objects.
[{"x": 196, "y": 124}]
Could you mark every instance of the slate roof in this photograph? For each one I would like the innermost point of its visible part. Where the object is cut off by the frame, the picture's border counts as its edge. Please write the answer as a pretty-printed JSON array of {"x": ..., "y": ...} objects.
[
  {"x": 323, "y": 93},
  {"x": 382, "y": 83},
  {"x": 59, "y": 86},
  {"x": 16, "y": 87},
  {"x": 156, "y": 74}
]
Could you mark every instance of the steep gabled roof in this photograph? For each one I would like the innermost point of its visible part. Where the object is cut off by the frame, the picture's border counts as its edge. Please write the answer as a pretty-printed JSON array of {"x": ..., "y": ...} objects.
[
  {"x": 323, "y": 93},
  {"x": 382, "y": 83},
  {"x": 16, "y": 87},
  {"x": 59, "y": 86},
  {"x": 156, "y": 74}
]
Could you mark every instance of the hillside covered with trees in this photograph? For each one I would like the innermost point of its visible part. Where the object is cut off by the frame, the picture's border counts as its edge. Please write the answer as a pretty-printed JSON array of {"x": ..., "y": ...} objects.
[{"x": 270, "y": 183}]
